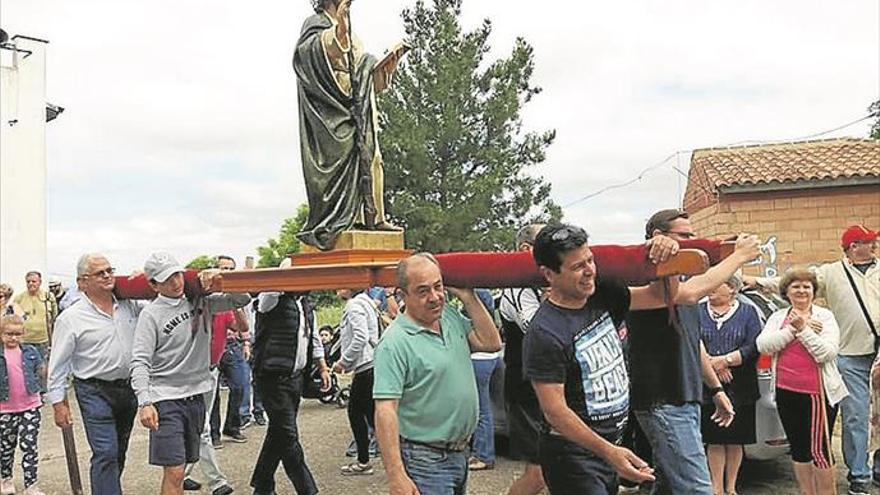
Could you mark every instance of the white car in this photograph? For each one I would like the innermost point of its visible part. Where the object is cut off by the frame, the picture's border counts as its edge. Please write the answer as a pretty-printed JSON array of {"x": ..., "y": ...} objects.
[{"x": 771, "y": 440}]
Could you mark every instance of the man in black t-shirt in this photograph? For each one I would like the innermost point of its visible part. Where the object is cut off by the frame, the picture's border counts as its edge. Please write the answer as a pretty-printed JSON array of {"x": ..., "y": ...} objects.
[
  {"x": 573, "y": 357},
  {"x": 668, "y": 366}
]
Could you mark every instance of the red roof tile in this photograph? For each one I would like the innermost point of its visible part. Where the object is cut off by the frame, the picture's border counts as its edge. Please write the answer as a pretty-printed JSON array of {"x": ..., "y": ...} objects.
[{"x": 790, "y": 162}]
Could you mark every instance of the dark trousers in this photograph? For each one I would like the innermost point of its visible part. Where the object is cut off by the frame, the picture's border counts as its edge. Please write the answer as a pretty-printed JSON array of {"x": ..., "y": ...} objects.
[
  {"x": 108, "y": 411},
  {"x": 281, "y": 396},
  {"x": 360, "y": 412},
  {"x": 569, "y": 468}
]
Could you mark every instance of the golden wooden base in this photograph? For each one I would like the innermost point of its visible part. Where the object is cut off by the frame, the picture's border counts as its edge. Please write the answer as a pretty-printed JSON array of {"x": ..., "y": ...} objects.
[{"x": 363, "y": 239}]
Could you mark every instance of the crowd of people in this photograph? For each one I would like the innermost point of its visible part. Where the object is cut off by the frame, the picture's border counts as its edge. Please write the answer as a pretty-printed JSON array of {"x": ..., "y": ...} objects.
[{"x": 607, "y": 387}]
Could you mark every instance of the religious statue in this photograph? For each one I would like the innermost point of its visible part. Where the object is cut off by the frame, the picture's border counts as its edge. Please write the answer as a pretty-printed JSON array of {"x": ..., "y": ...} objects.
[{"x": 337, "y": 84}]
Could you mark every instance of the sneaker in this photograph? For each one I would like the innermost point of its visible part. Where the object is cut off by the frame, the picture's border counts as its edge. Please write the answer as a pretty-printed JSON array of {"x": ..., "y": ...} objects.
[
  {"x": 216, "y": 443},
  {"x": 33, "y": 490},
  {"x": 7, "y": 487},
  {"x": 859, "y": 488},
  {"x": 191, "y": 485},
  {"x": 260, "y": 420},
  {"x": 352, "y": 450},
  {"x": 222, "y": 490},
  {"x": 357, "y": 469},
  {"x": 475, "y": 464},
  {"x": 236, "y": 437},
  {"x": 245, "y": 424}
]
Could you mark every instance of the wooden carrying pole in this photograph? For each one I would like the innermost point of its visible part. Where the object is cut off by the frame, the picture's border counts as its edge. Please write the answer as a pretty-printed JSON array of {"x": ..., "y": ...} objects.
[
  {"x": 355, "y": 269},
  {"x": 76, "y": 487}
]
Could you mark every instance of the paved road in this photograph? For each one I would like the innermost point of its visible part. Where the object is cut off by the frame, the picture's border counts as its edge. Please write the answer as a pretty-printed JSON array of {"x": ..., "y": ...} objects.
[{"x": 325, "y": 435}]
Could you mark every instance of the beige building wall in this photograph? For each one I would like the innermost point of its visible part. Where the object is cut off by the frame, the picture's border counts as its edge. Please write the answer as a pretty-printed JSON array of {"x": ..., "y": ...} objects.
[{"x": 802, "y": 227}]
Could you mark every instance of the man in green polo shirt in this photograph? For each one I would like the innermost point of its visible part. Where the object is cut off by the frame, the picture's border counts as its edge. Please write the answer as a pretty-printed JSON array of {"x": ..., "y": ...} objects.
[{"x": 425, "y": 390}]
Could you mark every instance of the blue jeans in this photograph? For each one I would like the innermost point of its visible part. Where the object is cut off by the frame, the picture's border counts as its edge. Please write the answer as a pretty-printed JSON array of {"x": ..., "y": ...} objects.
[
  {"x": 484, "y": 435},
  {"x": 435, "y": 471},
  {"x": 856, "y": 374},
  {"x": 244, "y": 411},
  {"x": 234, "y": 368},
  {"x": 108, "y": 410},
  {"x": 251, "y": 390},
  {"x": 674, "y": 434}
]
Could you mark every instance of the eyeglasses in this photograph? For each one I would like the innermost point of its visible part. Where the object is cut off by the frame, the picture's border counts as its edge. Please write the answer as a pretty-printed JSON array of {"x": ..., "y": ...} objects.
[
  {"x": 226, "y": 269},
  {"x": 686, "y": 235},
  {"x": 106, "y": 272}
]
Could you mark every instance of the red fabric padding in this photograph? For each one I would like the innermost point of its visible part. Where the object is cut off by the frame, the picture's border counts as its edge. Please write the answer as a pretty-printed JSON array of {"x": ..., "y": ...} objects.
[
  {"x": 139, "y": 288},
  {"x": 518, "y": 269}
]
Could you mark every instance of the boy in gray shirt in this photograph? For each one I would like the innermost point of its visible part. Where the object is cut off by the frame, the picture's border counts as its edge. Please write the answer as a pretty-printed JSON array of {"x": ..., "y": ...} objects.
[{"x": 170, "y": 365}]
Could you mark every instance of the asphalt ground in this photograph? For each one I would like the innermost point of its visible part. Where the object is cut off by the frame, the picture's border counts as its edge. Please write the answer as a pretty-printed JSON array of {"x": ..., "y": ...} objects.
[{"x": 325, "y": 435}]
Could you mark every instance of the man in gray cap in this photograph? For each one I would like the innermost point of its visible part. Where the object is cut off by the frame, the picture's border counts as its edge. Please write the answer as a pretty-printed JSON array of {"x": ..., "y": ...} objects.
[{"x": 170, "y": 365}]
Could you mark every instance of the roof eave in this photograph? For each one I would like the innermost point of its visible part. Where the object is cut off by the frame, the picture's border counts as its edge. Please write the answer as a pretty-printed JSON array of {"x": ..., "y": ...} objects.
[{"x": 800, "y": 184}]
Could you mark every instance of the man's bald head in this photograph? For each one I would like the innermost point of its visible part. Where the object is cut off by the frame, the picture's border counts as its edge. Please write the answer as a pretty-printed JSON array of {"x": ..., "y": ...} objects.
[{"x": 404, "y": 265}]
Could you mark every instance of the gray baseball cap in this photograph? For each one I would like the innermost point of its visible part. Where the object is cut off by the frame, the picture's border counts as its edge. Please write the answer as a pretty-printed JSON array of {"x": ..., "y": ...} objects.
[{"x": 159, "y": 266}]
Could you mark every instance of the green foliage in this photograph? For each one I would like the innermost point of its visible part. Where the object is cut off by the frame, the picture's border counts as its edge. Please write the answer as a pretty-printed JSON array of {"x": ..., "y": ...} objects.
[
  {"x": 202, "y": 262},
  {"x": 875, "y": 112},
  {"x": 276, "y": 250},
  {"x": 329, "y": 314},
  {"x": 456, "y": 158}
]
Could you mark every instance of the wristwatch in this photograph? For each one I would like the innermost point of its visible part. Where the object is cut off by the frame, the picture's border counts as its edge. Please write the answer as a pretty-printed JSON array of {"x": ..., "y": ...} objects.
[{"x": 716, "y": 390}]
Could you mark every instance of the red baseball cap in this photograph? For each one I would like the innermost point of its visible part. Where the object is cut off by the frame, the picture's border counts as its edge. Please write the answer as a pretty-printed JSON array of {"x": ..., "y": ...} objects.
[{"x": 857, "y": 233}]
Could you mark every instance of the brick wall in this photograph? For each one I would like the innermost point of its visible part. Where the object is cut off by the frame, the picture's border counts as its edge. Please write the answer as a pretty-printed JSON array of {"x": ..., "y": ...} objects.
[{"x": 807, "y": 223}]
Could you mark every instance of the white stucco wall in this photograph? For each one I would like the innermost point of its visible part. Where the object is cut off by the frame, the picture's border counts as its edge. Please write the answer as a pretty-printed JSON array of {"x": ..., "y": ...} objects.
[{"x": 23, "y": 162}]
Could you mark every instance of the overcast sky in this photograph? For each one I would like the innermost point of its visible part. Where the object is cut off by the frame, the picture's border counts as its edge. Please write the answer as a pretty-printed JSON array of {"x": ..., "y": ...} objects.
[{"x": 180, "y": 129}]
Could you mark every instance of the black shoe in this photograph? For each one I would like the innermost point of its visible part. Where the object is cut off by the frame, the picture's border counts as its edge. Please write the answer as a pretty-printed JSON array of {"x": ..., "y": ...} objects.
[
  {"x": 191, "y": 485},
  {"x": 216, "y": 443},
  {"x": 260, "y": 420},
  {"x": 859, "y": 488},
  {"x": 245, "y": 424},
  {"x": 235, "y": 437},
  {"x": 223, "y": 490}
]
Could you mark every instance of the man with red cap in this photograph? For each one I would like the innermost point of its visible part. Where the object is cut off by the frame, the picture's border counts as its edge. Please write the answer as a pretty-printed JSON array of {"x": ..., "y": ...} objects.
[{"x": 851, "y": 287}]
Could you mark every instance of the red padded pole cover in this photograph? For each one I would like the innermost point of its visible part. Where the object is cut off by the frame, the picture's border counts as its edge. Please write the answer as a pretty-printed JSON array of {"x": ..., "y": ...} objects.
[{"x": 517, "y": 269}]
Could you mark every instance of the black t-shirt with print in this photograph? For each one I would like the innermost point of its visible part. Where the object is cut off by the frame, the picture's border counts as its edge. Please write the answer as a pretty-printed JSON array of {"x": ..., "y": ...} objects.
[{"x": 581, "y": 349}]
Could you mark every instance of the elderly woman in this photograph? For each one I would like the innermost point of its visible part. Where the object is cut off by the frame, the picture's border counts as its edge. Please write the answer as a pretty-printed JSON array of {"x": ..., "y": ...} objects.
[
  {"x": 803, "y": 341},
  {"x": 7, "y": 305},
  {"x": 728, "y": 330}
]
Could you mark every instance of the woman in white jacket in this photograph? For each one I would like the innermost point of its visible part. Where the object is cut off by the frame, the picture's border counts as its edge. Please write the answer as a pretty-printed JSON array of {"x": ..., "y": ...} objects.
[{"x": 803, "y": 341}]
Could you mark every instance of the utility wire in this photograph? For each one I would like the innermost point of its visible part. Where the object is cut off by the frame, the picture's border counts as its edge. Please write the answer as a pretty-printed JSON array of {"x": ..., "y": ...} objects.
[{"x": 657, "y": 165}]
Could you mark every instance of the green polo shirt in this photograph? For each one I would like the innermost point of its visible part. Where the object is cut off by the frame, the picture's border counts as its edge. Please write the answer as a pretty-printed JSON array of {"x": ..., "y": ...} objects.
[{"x": 432, "y": 376}]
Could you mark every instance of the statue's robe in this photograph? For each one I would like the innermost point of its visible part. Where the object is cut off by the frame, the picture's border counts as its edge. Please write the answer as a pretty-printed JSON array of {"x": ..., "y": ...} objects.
[{"x": 327, "y": 131}]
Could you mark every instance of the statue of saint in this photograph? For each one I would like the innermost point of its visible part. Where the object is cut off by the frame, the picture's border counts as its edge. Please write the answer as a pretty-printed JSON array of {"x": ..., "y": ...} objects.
[{"x": 336, "y": 87}]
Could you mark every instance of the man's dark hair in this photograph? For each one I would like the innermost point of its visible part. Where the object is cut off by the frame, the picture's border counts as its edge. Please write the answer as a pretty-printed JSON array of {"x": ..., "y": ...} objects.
[
  {"x": 33, "y": 272},
  {"x": 553, "y": 241},
  {"x": 224, "y": 257},
  {"x": 662, "y": 220}
]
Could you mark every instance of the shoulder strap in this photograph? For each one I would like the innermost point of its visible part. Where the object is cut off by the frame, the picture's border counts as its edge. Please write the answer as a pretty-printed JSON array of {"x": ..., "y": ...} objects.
[{"x": 852, "y": 283}]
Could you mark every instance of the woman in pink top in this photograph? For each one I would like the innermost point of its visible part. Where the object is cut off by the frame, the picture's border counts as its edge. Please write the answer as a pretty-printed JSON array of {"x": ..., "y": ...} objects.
[
  {"x": 20, "y": 403},
  {"x": 803, "y": 341}
]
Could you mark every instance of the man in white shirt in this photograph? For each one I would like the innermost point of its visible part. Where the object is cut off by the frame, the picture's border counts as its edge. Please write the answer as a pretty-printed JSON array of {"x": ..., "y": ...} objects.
[{"x": 92, "y": 342}]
